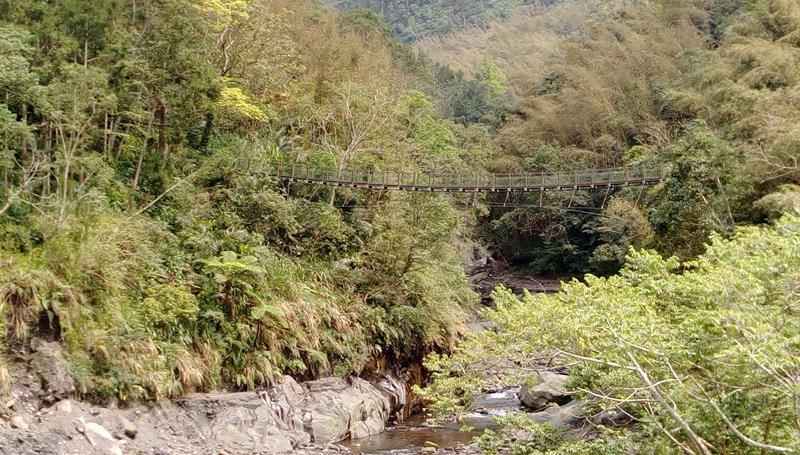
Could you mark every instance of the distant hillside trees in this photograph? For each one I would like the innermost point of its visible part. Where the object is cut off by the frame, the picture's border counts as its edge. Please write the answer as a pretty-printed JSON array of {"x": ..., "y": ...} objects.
[{"x": 415, "y": 19}]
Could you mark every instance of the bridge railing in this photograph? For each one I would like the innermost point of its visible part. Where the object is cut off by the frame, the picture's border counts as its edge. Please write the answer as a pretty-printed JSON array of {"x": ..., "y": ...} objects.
[{"x": 582, "y": 178}]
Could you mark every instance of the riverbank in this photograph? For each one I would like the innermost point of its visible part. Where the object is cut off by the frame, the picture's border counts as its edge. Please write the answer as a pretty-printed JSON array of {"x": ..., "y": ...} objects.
[{"x": 312, "y": 416}]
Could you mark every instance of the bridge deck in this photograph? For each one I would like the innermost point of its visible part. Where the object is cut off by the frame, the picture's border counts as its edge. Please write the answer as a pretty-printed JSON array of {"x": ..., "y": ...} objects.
[{"x": 573, "y": 180}]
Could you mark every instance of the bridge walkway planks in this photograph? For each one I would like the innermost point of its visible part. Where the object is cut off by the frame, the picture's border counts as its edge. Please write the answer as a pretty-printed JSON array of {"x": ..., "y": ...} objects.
[{"x": 468, "y": 183}]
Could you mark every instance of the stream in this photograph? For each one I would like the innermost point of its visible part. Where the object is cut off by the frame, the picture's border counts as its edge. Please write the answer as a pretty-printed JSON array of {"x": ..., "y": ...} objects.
[{"x": 414, "y": 434}]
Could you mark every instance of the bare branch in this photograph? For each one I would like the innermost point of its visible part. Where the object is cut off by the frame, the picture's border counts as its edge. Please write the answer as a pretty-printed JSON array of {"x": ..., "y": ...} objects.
[
  {"x": 697, "y": 440},
  {"x": 735, "y": 430}
]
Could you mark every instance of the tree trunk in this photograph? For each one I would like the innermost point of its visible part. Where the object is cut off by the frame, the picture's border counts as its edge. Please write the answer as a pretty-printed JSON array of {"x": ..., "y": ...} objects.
[
  {"x": 333, "y": 196},
  {"x": 105, "y": 135},
  {"x": 339, "y": 170},
  {"x": 24, "y": 116},
  {"x": 136, "y": 174},
  {"x": 112, "y": 137},
  {"x": 676, "y": 417},
  {"x": 162, "y": 125},
  {"x": 139, "y": 162},
  {"x": 62, "y": 210},
  {"x": 206, "y": 132}
]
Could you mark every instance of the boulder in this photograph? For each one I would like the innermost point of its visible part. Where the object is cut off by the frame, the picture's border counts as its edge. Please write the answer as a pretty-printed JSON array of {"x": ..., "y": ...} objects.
[
  {"x": 396, "y": 390},
  {"x": 549, "y": 391},
  {"x": 570, "y": 415},
  {"x": 101, "y": 439},
  {"x": 19, "y": 423},
  {"x": 327, "y": 423},
  {"x": 277, "y": 444},
  {"x": 286, "y": 394},
  {"x": 128, "y": 428},
  {"x": 612, "y": 418},
  {"x": 321, "y": 412},
  {"x": 245, "y": 422},
  {"x": 346, "y": 408},
  {"x": 95, "y": 430},
  {"x": 49, "y": 365},
  {"x": 477, "y": 256},
  {"x": 63, "y": 406},
  {"x": 369, "y": 427}
]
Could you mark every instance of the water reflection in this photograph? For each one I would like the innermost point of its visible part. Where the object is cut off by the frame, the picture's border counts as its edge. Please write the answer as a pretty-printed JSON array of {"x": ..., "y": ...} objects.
[{"x": 413, "y": 434}]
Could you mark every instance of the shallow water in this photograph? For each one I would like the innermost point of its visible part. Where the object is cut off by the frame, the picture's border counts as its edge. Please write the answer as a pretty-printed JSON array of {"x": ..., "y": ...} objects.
[
  {"x": 413, "y": 434},
  {"x": 409, "y": 436}
]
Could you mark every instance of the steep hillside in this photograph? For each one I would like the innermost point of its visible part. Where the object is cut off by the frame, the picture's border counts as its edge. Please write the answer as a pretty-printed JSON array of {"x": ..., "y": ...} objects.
[
  {"x": 520, "y": 45},
  {"x": 416, "y": 19},
  {"x": 600, "y": 83}
]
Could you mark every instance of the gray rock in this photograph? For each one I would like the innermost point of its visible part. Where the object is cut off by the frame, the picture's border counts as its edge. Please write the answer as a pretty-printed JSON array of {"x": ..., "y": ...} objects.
[
  {"x": 327, "y": 423},
  {"x": 244, "y": 422},
  {"x": 284, "y": 418},
  {"x": 476, "y": 255},
  {"x": 63, "y": 406},
  {"x": 550, "y": 390},
  {"x": 101, "y": 439},
  {"x": 49, "y": 365},
  {"x": 19, "y": 423},
  {"x": 97, "y": 431},
  {"x": 128, "y": 428},
  {"x": 572, "y": 415},
  {"x": 359, "y": 430},
  {"x": 342, "y": 408},
  {"x": 277, "y": 444},
  {"x": 478, "y": 277},
  {"x": 612, "y": 418}
]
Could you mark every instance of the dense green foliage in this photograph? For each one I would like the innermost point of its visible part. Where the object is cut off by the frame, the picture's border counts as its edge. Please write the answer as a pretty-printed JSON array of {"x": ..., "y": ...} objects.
[
  {"x": 702, "y": 354},
  {"x": 136, "y": 221}
]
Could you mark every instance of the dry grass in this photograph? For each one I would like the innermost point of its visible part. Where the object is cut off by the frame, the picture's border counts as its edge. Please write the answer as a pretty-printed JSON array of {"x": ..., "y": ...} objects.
[{"x": 521, "y": 46}]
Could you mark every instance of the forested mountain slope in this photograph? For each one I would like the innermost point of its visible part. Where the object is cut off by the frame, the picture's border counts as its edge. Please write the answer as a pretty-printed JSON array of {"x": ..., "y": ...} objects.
[
  {"x": 520, "y": 45},
  {"x": 414, "y": 19}
]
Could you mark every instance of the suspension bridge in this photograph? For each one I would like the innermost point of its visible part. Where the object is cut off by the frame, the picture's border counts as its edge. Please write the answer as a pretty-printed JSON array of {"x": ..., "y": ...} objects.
[{"x": 581, "y": 179}]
